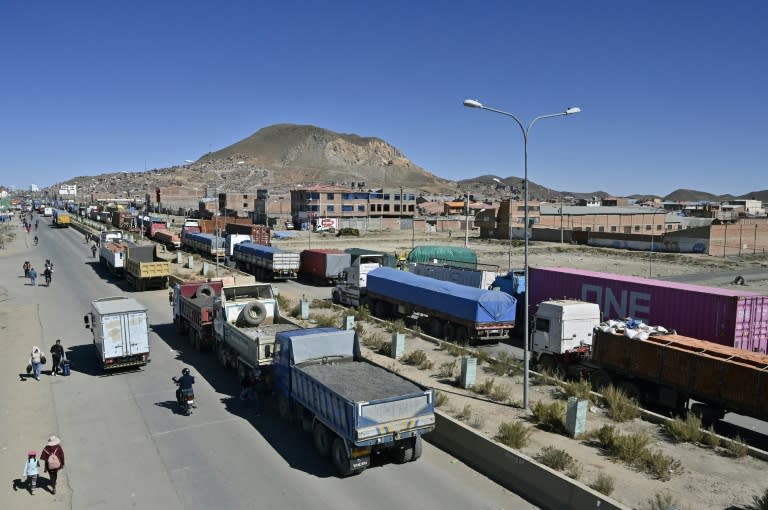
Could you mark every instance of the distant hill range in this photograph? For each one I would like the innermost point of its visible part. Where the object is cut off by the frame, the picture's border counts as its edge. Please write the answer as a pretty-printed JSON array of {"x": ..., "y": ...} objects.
[{"x": 284, "y": 155}]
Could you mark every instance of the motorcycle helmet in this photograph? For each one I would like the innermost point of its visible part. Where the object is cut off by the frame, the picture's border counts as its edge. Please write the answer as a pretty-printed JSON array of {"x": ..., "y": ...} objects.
[{"x": 184, "y": 371}]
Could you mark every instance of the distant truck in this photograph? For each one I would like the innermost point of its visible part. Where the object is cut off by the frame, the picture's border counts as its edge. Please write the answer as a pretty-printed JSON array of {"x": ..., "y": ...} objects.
[
  {"x": 233, "y": 240},
  {"x": 61, "y": 218},
  {"x": 246, "y": 320},
  {"x": 171, "y": 240},
  {"x": 193, "y": 311},
  {"x": 447, "y": 310},
  {"x": 477, "y": 278},
  {"x": 351, "y": 289},
  {"x": 354, "y": 409},
  {"x": 48, "y": 211},
  {"x": 142, "y": 270},
  {"x": 662, "y": 370},
  {"x": 120, "y": 328},
  {"x": 112, "y": 254},
  {"x": 209, "y": 245},
  {"x": 323, "y": 266},
  {"x": 266, "y": 262}
]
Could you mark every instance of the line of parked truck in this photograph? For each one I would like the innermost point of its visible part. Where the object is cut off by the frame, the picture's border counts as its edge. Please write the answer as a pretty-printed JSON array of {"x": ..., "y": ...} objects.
[
  {"x": 355, "y": 410},
  {"x": 136, "y": 263}
]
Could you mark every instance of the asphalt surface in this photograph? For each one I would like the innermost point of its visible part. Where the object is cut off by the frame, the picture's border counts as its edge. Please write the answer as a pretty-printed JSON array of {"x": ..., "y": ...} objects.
[{"x": 127, "y": 447}]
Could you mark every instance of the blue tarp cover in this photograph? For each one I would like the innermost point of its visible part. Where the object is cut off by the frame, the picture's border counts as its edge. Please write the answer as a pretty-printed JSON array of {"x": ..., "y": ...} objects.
[{"x": 476, "y": 305}]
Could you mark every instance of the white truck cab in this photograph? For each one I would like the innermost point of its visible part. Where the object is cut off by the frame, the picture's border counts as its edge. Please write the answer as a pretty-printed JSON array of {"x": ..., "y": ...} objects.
[{"x": 563, "y": 325}]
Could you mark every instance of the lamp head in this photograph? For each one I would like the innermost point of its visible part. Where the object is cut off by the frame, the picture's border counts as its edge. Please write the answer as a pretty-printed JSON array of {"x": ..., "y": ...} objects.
[
  {"x": 572, "y": 110},
  {"x": 472, "y": 103}
]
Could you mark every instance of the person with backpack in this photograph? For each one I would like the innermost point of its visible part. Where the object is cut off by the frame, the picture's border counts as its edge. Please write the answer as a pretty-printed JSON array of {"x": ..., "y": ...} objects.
[
  {"x": 53, "y": 456},
  {"x": 31, "y": 469}
]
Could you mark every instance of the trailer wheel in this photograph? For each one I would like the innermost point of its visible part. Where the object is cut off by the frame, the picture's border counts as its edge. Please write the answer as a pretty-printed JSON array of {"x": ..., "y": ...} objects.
[
  {"x": 335, "y": 297},
  {"x": 254, "y": 313},
  {"x": 450, "y": 332},
  {"x": 462, "y": 335},
  {"x": 322, "y": 439},
  {"x": 204, "y": 290},
  {"x": 435, "y": 328},
  {"x": 404, "y": 452},
  {"x": 380, "y": 309},
  {"x": 418, "y": 447},
  {"x": 631, "y": 390},
  {"x": 341, "y": 459},
  {"x": 194, "y": 337},
  {"x": 600, "y": 380},
  {"x": 166, "y": 281}
]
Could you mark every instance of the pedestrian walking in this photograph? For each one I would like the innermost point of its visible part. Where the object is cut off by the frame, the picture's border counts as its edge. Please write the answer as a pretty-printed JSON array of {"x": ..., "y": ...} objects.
[
  {"x": 26, "y": 266},
  {"x": 31, "y": 469},
  {"x": 33, "y": 276},
  {"x": 57, "y": 356},
  {"x": 53, "y": 456},
  {"x": 93, "y": 251},
  {"x": 36, "y": 360}
]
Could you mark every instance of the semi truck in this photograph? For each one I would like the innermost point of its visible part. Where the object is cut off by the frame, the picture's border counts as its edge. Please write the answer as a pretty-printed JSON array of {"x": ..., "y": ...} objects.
[
  {"x": 120, "y": 328},
  {"x": 660, "y": 369},
  {"x": 266, "y": 262},
  {"x": 246, "y": 320},
  {"x": 323, "y": 266},
  {"x": 112, "y": 254},
  {"x": 208, "y": 244},
  {"x": 354, "y": 409},
  {"x": 477, "y": 278},
  {"x": 351, "y": 287},
  {"x": 730, "y": 317},
  {"x": 233, "y": 240},
  {"x": 61, "y": 218},
  {"x": 193, "y": 311},
  {"x": 445, "y": 310},
  {"x": 142, "y": 270},
  {"x": 171, "y": 240}
]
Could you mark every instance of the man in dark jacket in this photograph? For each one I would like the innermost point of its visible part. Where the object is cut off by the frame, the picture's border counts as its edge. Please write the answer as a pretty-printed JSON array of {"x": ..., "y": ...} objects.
[{"x": 57, "y": 353}]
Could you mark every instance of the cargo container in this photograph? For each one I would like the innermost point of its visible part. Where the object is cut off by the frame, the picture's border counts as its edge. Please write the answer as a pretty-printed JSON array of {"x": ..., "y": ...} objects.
[
  {"x": 477, "y": 278},
  {"x": 447, "y": 310},
  {"x": 232, "y": 240},
  {"x": 266, "y": 262},
  {"x": 220, "y": 223},
  {"x": 730, "y": 317},
  {"x": 120, "y": 328},
  {"x": 323, "y": 266},
  {"x": 112, "y": 254},
  {"x": 169, "y": 239},
  {"x": 259, "y": 234}
]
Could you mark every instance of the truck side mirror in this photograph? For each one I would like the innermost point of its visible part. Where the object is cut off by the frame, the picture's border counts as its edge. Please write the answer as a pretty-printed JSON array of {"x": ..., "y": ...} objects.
[
  {"x": 87, "y": 322},
  {"x": 275, "y": 291},
  {"x": 268, "y": 351}
]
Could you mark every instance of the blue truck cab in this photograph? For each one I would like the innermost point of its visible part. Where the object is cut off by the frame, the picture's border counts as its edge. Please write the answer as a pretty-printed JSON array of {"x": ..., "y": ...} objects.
[{"x": 353, "y": 408}]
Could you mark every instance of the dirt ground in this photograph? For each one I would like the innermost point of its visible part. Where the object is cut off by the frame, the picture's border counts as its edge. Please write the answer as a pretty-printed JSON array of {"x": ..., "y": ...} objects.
[{"x": 707, "y": 477}]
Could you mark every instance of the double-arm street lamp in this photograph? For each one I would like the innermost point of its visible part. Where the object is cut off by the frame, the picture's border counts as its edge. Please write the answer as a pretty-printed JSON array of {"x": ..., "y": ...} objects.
[{"x": 473, "y": 103}]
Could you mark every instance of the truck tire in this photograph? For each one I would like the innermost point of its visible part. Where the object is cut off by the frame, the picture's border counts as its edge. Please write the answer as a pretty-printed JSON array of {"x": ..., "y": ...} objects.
[
  {"x": 380, "y": 309},
  {"x": 418, "y": 448},
  {"x": 166, "y": 282},
  {"x": 600, "y": 380},
  {"x": 632, "y": 390},
  {"x": 404, "y": 452},
  {"x": 204, "y": 290},
  {"x": 341, "y": 459},
  {"x": 335, "y": 297},
  {"x": 221, "y": 355},
  {"x": 436, "y": 327},
  {"x": 254, "y": 313},
  {"x": 462, "y": 335},
  {"x": 322, "y": 439}
]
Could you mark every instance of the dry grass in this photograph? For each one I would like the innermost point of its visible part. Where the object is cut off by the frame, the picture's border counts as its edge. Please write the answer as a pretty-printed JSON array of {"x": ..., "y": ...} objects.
[
  {"x": 661, "y": 501},
  {"x": 632, "y": 449},
  {"x": 560, "y": 460},
  {"x": 550, "y": 416},
  {"x": 515, "y": 434},
  {"x": 604, "y": 484},
  {"x": 581, "y": 389},
  {"x": 736, "y": 447},
  {"x": 621, "y": 408},
  {"x": 447, "y": 369},
  {"x": 440, "y": 399},
  {"x": 684, "y": 431}
]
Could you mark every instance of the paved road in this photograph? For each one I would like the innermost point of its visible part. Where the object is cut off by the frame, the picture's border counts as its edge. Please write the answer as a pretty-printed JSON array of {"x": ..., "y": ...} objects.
[{"x": 127, "y": 448}]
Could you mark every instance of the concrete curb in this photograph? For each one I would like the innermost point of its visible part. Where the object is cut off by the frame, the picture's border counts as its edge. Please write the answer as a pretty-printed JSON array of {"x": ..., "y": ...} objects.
[{"x": 519, "y": 473}]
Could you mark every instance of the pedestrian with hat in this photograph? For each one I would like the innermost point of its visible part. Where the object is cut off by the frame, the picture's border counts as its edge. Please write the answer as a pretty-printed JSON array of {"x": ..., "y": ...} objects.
[
  {"x": 53, "y": 456},
  {"x": 31, "y": 468}
]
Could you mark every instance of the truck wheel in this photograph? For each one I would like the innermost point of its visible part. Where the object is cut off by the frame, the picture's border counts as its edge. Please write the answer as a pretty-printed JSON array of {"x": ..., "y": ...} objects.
[
  {"x": 436, "y": 328},
  {"x": 631, "y": 390},
  {"x": 341, "y": 459},
  {"x": 335, "y": 298},
  {"x": 600, "y": 380},
  {"x": 462, "y": 335},
  {"x": 254, "y": 313},
  {"x": 547, "y": 364},
  {"x": 165, "y": 282},
  {"x": 283, "y": 407},
  {"x": 404, "y": 452},
  {"x": 195, "y": 337},
  {"x": 380, "y": 309},
  {"x": 204, "y": 290},
  {"x": 450, "y": 332},
  {"x": 322, "y": 439},
  {"x": 418, "y": 447}
]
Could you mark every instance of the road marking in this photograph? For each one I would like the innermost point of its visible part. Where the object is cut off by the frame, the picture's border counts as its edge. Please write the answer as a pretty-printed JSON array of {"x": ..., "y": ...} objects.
[{"x": 196, "y": 426}]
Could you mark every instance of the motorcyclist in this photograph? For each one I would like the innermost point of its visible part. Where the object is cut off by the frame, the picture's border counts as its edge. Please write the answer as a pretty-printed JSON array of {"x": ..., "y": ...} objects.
[
  {"x": 184, "y": 383},
  {"x": 47, "y": 275},
  {"x": 36, "y": 240}
]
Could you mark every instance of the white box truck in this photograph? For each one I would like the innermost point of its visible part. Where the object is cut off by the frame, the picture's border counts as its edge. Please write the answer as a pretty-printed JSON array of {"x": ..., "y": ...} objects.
[{"x": 120, "y": 328}]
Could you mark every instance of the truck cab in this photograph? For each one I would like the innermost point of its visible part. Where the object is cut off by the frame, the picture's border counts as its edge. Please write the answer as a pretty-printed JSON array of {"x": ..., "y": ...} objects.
[
  {"x": 353, "y": 280},
  {"x": 563, "y": 327},
  {"x": 109, "y": 235}
]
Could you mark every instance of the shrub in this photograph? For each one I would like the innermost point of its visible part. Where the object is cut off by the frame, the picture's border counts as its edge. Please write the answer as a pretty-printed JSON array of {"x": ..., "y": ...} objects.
[
  {"x": 501, "y": 393},
  {"x": 320, "y": 304},
  {"x": 505, "y": 364},
  {"x": 484, "y": 388},
  {"x": 440, "y": 398},
  {"x": 453, "y": 349},
  {"x": 416, "y": 357},
  {"x": 684, "y": 431},
  {"x": 630, "y": 448},
  {"x": 477, "y": 421},
  {"x": 447, "y": 369},
  {"x": 397, "y": 326},
  {"x": 363, "y": 314},
  {"x": 514, "y": 435},
  {"x": 465, "y": 414},
  {"x": 581, "y": 389},
  {"x": 482, "y": 357},
  {"x": 556, "y": 458},
  {"x": 661, "y": 466},
  {"x": 760, "y": 502},
  {"x": 327, "y": 321},
  {"x": 621, "y": 408},
  {"x": 710, "y": 438},
  {"x": 736, "y": 447},
  {"x": 283, "y": 303},
  {"x": 604, "y": 484},
  {"x": 550, "y": 416},
  {"x": 661, "y": 501}
]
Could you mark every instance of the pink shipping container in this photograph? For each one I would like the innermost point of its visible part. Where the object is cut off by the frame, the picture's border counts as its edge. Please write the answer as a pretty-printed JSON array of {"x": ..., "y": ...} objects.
[{"x": 728, "y": 317}]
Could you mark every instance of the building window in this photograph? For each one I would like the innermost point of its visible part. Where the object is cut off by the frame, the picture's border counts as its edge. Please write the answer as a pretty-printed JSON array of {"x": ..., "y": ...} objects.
[
  {"x": 637, "y": 228},
  {"x": 245, "y": 205},
  {"x": 659, "y": 227},
  {"x": 613, "y": 228},
  {"x": 386, "y": 207},
  {"x": 601, "y": 229},
  {"x": 647, "y": 227},
  {"x": 347, "y": 208},
  {"x": 329, "y": 208},
  {"x": 361, "y": 208}
]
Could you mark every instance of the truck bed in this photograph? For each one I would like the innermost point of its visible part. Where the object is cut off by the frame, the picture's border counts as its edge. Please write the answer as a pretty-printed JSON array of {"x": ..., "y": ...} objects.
[{"x": 359, "y": 381}]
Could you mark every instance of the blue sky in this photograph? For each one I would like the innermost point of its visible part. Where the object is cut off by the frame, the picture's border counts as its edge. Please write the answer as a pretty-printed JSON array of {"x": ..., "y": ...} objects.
[{"x": 673, "y": 93}]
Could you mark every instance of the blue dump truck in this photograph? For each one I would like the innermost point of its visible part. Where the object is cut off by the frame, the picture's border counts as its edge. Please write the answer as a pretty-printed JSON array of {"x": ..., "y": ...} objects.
[
  {"x": 266, "y": 262},
  {"x": 447, "y": 310},
  {"x": 353, "y": 408}
]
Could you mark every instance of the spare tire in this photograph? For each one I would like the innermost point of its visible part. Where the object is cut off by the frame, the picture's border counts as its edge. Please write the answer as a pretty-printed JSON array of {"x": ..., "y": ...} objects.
[
  {"x": 739, "y": 280},
  {"x": 205, "y": 290},
  {"x": 253, "y": 313}
]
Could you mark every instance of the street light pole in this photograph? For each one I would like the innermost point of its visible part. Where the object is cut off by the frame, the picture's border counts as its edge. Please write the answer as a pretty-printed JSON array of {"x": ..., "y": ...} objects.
[
  {"x": 466, "y": 220},
  {"x": 473, "y": 103}
]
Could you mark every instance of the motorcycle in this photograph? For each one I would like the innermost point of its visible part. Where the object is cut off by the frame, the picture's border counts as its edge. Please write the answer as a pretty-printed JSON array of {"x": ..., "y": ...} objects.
[
  {"x": 47, "y": 279},
  {"x": 185, "y": 398}
]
